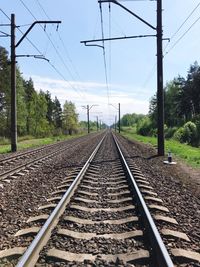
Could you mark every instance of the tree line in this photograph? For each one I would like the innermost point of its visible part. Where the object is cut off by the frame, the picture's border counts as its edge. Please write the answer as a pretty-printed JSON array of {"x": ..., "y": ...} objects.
[
  {"x": 182, "y": 109},
  {"x": 37, "y": 113}
]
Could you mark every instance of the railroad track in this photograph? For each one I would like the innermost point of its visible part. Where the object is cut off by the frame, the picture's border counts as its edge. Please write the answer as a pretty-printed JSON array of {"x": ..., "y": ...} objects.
[
  {"x": 14, "y": 159},
  {"x": 24, "y": 155},
  {"x": 97, "y": 217},
  {"x": 22, "y": 163}
]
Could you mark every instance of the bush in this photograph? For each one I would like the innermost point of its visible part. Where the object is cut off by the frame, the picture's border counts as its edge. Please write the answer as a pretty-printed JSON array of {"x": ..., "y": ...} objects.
[
  {"x": 179, "y": 135},
  {"x": 144, "y": 127},
  {"x": 187, "y": 133},
  {"x": 169, "y": 132}
]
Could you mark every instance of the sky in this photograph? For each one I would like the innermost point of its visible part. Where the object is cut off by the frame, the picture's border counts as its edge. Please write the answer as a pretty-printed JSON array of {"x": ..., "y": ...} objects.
[{"x": 81, "y": 74}]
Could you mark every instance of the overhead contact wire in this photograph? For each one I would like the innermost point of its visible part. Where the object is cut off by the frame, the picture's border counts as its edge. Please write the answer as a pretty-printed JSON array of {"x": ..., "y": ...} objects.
[
  {"x": 58, "y": 54},
  {"x": 104, "y": 53},
  {"x": 63, "y": 44},
  {"x": 172, "y": 37},
  {"x": 180, "y": 27}
]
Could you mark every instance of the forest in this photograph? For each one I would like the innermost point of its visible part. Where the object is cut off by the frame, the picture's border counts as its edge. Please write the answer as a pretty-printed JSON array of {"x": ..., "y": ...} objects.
[
  {"x": 38, "y": 115},
  {"x": 182, "y": 110}
]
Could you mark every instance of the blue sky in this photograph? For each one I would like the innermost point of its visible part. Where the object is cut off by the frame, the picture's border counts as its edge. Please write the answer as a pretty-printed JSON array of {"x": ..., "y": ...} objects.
[{"x": 131, "y": 71}]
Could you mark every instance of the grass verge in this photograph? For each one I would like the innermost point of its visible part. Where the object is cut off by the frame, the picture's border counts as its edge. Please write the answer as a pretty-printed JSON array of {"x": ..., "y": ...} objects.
[
  {"x": 30, "y": 142},
  {"x": 189, "y": 154}
]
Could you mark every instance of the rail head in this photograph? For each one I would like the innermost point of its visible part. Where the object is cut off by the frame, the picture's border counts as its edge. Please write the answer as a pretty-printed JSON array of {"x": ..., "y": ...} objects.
[{"x": 162, "y": 255}]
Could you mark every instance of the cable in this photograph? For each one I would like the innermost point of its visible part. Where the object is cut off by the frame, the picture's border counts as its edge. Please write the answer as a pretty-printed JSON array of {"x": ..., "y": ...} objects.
[
  {"x": 172, "y": 37},
  {"x": 63, "y": 77},
  {"x": 22, "y": 33},
  {"x": 185, "y": 20},
  {"x": 43, "y": 9},
  {"x": 182, "y": 36},
  {"x": 149, "y": 77},
  {"x": 56, "y": 50},
  {"x": 5, "y": 14},
  {"x": 30, "y": 42},
  {"x": 64, "y": 47},
  {"x": 104, "y": 54},
  {"x": 179, "y": 28}
]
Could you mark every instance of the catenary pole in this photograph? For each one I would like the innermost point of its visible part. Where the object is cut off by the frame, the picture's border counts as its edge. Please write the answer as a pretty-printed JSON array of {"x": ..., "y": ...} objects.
[
  {"x": 14, "y": 45},
  {"x": 13, "y": 125},
  {"x": 119, "y": 118},
  {"x": 88, "y": 118},
  {"x": 160, "y": 93}
]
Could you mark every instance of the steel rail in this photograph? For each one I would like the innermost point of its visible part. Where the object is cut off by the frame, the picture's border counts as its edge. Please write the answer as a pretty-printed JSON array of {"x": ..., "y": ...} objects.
[
  {"x": 31, "y": 255},
  {"x": 161, "y": 254},
  {"x": 23, "y": 166},
  {"x": 37, "y": 149},
  {"x": 34, "y": 150}
]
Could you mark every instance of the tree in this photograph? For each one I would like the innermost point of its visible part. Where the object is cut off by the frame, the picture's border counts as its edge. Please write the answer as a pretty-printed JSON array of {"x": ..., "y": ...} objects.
[
  {"x": 50, "y": 107},
  {"x": 127, "y": 120},
  {"x": 39, "y": 125},
  {"x": 131, "y": 119},
  {"x": 21, "y": 105},
  {"x": 70, "y": 117},
  {"x": 193, "y": 88},
  {"x": 4, "y": 93},
  {"x": 29, "y": 92},
  {"x": 57, "y": 114}
]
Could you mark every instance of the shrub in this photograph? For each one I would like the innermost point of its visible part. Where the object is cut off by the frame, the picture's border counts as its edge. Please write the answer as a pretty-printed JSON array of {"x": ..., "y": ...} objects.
[
  {"x": 187, "y": 133},
  {"x": 179, "y": 135},
  {"x": 170, "y": 132},
  {"x": 144, "y": 127}
]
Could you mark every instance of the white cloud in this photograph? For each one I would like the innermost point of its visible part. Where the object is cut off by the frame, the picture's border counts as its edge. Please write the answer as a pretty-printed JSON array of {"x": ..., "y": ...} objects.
[{"x": 94, "y": 93}]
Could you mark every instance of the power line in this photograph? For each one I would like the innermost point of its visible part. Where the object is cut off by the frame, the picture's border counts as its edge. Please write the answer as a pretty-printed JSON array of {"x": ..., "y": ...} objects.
[
  {"x": 172, "y": 37},
  {"x": 64, "y": 46},
  {"x": 104, "y": 53},
  {"x": 56, "y": 50},
  {"x": 180, "y": 27},
  {"x": 5, "y": 14},
  {"x": 43, "y": 9},
  {"x": 28, "y": 9},
  {"x": 182, "y": 36},
  {"x": 63, "y": 77},
  {"x": 60, "y": 74},
  {"x": 22, "y": 33},
  {"x": 30, "y": 41},
  {"x": 150, "y": 75},
  {"x": 68, "y": 56},
  {"x": 185, "y": 20}
]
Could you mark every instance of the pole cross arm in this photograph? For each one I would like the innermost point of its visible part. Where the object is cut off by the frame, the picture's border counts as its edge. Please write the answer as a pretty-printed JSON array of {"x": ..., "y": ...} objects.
[
  {"x": 33, "y": 24},
  {"x": 116, "y": 38},
  {"x": 129, "y": 11},
  {"x": 35, "y": 56}
]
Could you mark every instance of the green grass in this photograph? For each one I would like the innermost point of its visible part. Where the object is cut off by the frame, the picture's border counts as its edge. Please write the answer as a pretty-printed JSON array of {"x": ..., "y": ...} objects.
[
  {"x": 30, "y": 142},
  {"x": 189, "y": 154}
]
